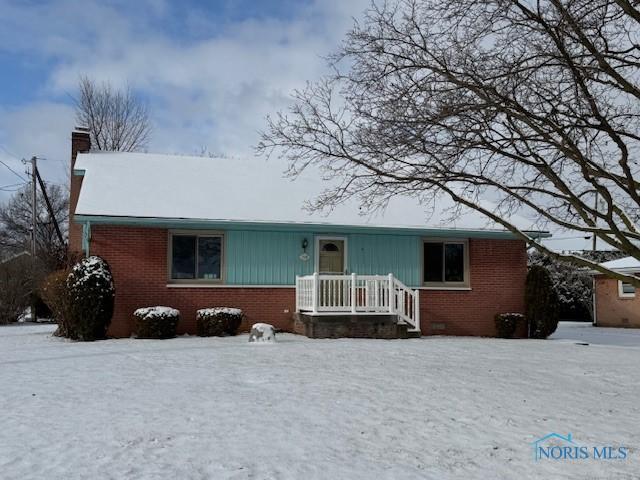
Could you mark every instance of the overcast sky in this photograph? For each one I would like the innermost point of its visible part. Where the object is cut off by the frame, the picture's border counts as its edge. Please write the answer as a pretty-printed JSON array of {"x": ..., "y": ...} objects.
[{"x": 210, "y": 70}]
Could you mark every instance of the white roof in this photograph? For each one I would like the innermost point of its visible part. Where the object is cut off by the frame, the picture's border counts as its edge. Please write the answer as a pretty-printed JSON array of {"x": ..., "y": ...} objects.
[
  {"x": 122, "y": 184},
  {"x": 623, "y": 265}
]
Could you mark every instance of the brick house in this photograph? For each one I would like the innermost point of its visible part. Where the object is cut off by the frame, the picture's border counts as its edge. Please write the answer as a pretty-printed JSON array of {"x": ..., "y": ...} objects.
[
  {"x": 192, "y": 232},
  {"x": 615, "y": 302}
]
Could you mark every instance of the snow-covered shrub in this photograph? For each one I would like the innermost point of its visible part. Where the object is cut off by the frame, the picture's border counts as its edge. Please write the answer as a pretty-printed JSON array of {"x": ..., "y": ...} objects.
[
  {"x": 573, "y": 283},
  {"x": 541, "y": 303},
  {"x": 91, "y": 295},
  {"x": 215, "y": 322},
  {"x": 55, "y": 294},
  {"x": 506, "y": 324},
  {"x": 262, "y": 332},
  {"x": 156, "y": 322}
]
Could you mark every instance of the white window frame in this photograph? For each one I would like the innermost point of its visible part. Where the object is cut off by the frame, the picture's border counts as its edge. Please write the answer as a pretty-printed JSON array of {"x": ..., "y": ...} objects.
[
  {"x": 466, "y": 283},
  {"x": 622, "y": 293},
  {"x": 195, "y": 233}
]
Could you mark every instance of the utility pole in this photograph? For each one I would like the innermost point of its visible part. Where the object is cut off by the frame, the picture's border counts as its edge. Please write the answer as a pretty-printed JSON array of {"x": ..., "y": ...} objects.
[
  {"x": 595, "y": 207},
  {"x": 34, "y": 225},
  {"x": 34, "y": 207}
]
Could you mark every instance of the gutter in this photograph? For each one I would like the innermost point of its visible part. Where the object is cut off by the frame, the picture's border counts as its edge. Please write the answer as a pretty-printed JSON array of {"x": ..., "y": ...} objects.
[{"x": 162, "y": 222}]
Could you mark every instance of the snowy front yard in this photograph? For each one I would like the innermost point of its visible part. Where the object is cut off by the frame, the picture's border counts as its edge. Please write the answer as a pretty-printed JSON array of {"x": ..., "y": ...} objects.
[{"x": 301, "y": 409}]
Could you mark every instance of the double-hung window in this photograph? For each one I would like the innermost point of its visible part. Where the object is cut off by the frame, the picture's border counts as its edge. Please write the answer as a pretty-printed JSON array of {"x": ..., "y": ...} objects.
[
  {"x": 195, "y": 257},
  {"x": 445, "y": 263}
]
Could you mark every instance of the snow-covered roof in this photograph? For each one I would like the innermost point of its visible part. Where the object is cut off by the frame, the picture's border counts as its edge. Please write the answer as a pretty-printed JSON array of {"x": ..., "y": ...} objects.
[
  {"x": 252, "y": 190},
  {"x": 623, "y": 265}
]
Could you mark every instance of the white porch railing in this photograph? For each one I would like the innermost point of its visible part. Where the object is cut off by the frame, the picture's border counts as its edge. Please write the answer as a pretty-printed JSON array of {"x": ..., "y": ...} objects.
[{"x": 358, "y": 294}]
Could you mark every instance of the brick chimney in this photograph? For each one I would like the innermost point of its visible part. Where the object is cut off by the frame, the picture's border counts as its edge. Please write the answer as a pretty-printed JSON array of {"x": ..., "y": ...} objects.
[{"x": 80, "y": 142}]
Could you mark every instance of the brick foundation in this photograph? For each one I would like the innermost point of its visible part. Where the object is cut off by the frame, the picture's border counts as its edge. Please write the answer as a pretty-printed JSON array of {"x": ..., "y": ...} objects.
[{"x": 138, "y": 259}]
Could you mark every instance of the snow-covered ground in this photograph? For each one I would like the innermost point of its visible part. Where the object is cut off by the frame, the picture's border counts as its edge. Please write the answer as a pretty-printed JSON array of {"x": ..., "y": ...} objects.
[
  {"x": 438, "y": 407},
  {"x": 585, "y": 332}
]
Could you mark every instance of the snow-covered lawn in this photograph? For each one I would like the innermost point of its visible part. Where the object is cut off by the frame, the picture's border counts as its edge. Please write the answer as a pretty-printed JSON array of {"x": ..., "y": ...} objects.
[{"x": 192, "y": 408}]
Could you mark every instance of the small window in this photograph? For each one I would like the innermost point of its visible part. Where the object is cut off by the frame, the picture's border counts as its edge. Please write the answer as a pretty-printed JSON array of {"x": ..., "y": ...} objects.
[
  {"x": 330, "y": 247},
  {"x": 626, "y": 290},
  {"x": 195, "y": 257},
  {"x": 445, "y": 263}
]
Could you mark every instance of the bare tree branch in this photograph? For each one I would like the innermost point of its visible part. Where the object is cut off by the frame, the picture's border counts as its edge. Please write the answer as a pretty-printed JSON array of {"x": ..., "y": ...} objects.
[
  {"x": 116, "y": 119},
  {"x": 532, "y": 104}
]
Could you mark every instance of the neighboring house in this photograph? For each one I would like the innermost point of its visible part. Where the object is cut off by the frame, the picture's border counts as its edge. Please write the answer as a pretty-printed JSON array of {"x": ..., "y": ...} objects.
[
  {"x": 615, "y": 302},
  {"x": 193, "y": 232}
]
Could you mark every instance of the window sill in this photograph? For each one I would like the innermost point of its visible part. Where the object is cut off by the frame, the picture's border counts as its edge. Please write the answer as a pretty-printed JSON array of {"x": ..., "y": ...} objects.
[
  {"x": 223, "y": 285},
  {"x": 626, "y": 297},
  {"x": 444, "y": 287}
]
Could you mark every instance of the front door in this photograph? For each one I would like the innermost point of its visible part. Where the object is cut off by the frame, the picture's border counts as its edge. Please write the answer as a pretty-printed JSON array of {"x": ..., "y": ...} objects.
[{"x": 331, "y": 256}]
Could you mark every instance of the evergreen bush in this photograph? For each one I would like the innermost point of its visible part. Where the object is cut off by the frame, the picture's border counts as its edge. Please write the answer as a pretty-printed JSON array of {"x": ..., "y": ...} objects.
[
  {"x": 91, "y": 296},
  {"x": 215, "y": 322},
  {"x": 507, "y": 323},
  {"x": 156, "y": 322},
  {"x": 541, "y": 303}
]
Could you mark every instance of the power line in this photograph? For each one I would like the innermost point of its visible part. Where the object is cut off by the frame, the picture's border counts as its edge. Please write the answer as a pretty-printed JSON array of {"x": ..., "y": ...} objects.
[
  {"x": 12, "y": 188},
  {"x": 8, "y": 152},
  {"x": 13, "y": 171}
]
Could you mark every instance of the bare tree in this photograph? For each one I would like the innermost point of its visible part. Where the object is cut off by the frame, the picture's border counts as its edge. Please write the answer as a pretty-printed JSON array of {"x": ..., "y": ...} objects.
[
  {"x": 16, "y": 224},
  {"x": 532, "y": 104},
  {"x": 116, "y": 119},
  {"x": 15, "y": 287}
]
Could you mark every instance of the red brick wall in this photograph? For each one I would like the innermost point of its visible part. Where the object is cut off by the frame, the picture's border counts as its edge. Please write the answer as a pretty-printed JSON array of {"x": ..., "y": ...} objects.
[
  {"x": 611, "y": 310},
  {"x": 138, "y": 258},
  {"x": 498, "y": 270}
]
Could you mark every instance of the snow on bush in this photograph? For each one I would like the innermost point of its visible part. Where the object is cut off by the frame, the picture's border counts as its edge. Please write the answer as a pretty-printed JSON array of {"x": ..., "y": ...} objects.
[
  {"x": 156, "y": 322},
  {"x": 506, "y": 324},
  {"x": 218, "y": 321},
  {"x": 262, "y": 332},
  {"x": 573, "y": 283},
  {"x": 91, "y": 295}
]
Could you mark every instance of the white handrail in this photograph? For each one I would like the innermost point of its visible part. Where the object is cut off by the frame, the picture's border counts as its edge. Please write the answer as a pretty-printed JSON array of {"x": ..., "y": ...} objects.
[{"x": 358, "y": 294}]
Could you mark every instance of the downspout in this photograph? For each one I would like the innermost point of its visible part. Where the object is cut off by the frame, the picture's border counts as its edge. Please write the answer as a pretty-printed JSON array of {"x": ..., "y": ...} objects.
[
  {"x": 594, "y": 321},
  {"x": 86, "y": 237}
]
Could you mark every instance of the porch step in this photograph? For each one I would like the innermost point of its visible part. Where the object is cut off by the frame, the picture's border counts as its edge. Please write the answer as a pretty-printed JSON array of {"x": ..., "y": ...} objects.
[
  {"x": 351, "y": 326},
  {"x": 414, "y": 334},
  {"x": 404, "y": 332}
]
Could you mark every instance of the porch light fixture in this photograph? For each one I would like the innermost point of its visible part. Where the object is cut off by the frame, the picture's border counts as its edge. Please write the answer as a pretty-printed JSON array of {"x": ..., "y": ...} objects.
[{"x": 304, "y": 256}]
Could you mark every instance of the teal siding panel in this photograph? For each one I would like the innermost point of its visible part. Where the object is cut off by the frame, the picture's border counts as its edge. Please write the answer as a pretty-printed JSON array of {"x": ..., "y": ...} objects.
[
  {"x": 273, "y": 257},
  {"x": 383, "y": 254},
  {"x": 266, "y": 258}
]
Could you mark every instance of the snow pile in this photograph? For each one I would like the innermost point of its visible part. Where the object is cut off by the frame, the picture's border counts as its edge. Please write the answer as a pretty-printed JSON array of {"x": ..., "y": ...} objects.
[
  {"x": 214, "y": 311},
  {"x": 156, "y": 312},
  {"x": 262, "y": 332}
]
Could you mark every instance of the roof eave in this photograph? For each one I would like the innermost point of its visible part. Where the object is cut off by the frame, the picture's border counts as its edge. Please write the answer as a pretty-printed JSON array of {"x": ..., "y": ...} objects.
[{"x": 161, "y": 222}]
